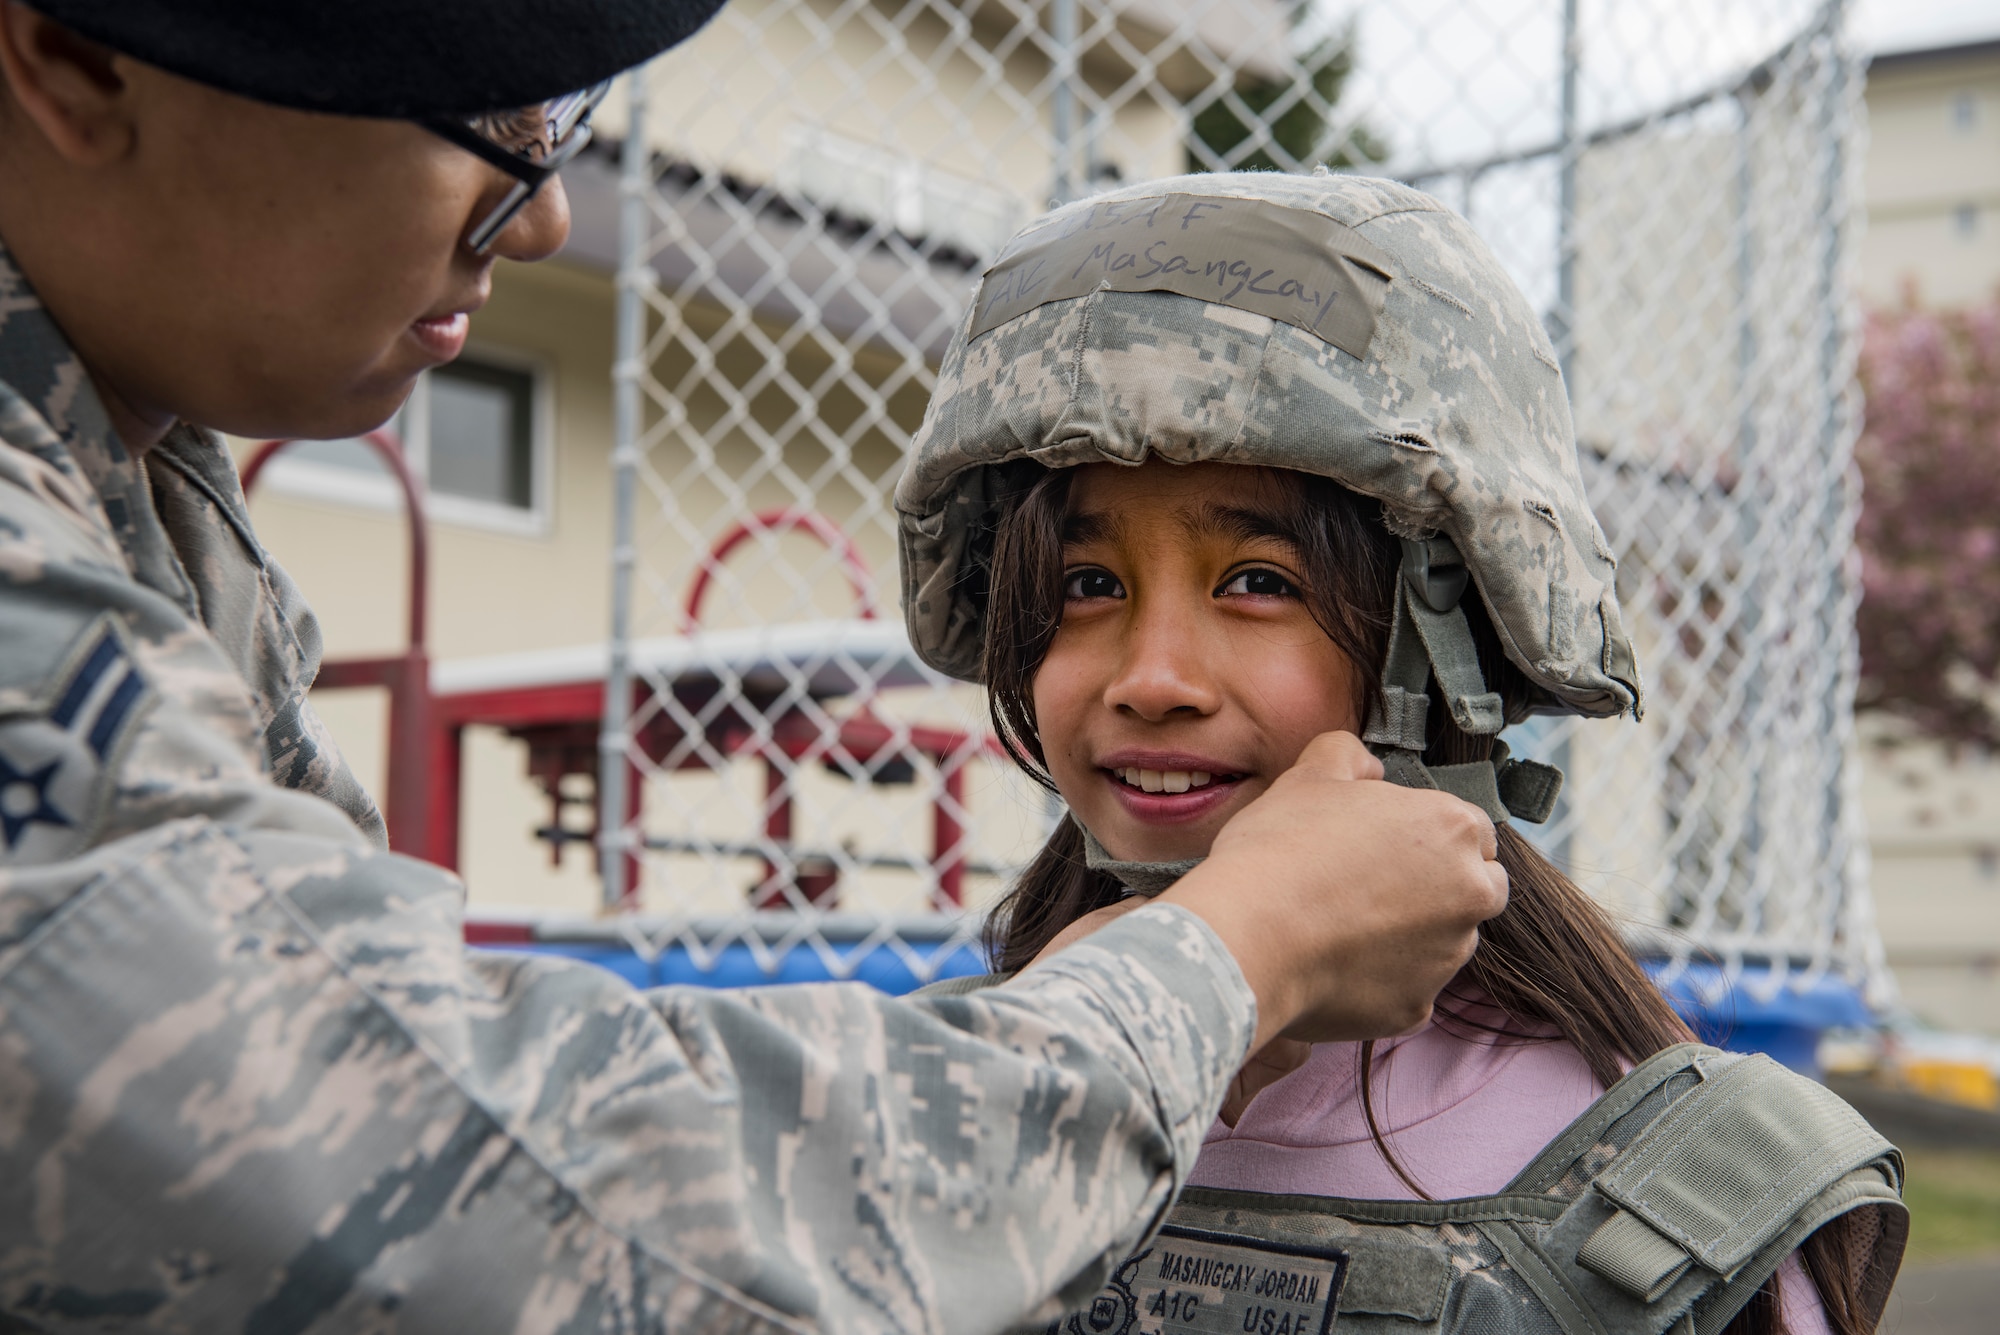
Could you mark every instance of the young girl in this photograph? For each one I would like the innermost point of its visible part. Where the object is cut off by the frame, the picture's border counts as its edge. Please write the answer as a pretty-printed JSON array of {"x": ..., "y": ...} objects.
[{"x": 1220, "y": 464}]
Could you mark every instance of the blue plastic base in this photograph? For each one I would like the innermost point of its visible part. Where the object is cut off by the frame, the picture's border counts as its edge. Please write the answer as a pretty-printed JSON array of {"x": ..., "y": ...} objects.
[
  {"x": 1788, "y": 1027},
  {"x": 734, "y": 966}
]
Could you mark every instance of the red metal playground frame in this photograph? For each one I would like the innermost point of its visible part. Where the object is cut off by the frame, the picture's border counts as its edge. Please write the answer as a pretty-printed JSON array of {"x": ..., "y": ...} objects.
[{"x": 558, "y": 712}]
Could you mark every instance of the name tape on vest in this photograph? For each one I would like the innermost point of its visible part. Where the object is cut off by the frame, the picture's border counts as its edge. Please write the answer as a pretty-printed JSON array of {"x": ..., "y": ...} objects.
[
  {"x": 1196, "y": 1282},
  {"x": 1292, "y": 265}
]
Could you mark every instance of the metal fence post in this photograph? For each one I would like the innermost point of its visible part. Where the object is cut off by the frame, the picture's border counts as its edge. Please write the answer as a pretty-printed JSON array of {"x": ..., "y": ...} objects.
[
  {"x": 1062, "y": 101},
  {"x": 635, "y": 185}
]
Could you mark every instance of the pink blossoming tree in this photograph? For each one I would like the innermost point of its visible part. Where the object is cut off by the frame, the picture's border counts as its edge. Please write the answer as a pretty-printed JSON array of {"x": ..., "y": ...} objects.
[{"x": 1930, "y": 522}]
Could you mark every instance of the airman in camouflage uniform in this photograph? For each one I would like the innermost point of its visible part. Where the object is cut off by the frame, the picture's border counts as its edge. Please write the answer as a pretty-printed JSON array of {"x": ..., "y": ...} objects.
[
  {"x": 250, "y": 1079},
  {"x": 221, "y": 997}
]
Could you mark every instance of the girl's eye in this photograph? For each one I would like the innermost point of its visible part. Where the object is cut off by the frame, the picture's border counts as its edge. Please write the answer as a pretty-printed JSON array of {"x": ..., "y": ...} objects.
[
  {"x": 1259, "y": 584},
  {"x": 1092, "y": 584}
]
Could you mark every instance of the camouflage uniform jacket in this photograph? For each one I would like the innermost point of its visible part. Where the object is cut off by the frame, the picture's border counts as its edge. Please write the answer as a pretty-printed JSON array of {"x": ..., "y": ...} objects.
[{"x": 250, "y": 1080}]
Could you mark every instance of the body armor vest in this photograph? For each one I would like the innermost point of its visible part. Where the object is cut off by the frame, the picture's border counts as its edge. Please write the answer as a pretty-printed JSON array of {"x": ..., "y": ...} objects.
[{"x": 1659, "y": 1211}]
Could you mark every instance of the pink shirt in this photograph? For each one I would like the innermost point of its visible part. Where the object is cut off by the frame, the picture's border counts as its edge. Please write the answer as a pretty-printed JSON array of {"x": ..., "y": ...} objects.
[{"x": 1463, "y": 1117}]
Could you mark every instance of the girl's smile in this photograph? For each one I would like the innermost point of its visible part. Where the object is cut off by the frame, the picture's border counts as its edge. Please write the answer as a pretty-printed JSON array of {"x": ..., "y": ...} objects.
[
  {"x": 1187, "y": 672},
  {"x": 1164, "y": 787}
]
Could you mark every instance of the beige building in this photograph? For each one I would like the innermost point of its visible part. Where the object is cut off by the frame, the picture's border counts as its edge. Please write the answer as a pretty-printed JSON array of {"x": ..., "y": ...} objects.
[
  {"x": 1933, "y": 176},
  {"x": 1933, "y": 192}
]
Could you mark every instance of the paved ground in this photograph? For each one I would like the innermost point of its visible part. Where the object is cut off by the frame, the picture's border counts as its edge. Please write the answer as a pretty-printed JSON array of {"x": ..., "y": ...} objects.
[
  {"x": 1906, "y": 1119},
  {"x": 1946, "y": 1298}
]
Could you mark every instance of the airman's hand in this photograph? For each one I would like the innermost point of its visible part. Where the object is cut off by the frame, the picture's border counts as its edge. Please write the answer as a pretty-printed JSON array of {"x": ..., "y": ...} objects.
[{"x": 1348, "y": 902}]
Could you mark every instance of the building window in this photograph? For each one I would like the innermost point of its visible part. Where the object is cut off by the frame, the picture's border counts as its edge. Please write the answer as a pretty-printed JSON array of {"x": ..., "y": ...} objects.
[
  {"x": 482, "y": 434},
  {"x": 1964, "y": 113},
  {"x": 476, "y": 431}
]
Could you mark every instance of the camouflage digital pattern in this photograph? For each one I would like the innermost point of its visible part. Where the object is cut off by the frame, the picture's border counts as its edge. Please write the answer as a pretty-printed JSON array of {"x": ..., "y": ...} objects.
[
  {"x": 250, "y": 1079},
  {"x": 1705, "y": 1169},
  {"x": 1447, "y": 403}
]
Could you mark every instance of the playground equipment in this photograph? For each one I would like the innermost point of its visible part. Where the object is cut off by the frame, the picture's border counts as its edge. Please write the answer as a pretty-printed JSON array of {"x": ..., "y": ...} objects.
[
  {"x": 553, "y": 702},
  {"x": 766, "y": 694}
]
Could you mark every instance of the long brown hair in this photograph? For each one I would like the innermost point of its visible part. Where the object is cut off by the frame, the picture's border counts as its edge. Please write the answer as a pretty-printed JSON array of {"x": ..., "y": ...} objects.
[{"x": 1552, "y": 963}]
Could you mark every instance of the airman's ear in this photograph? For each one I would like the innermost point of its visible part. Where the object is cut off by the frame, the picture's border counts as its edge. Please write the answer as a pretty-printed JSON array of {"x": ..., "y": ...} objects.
[{"x": 68, "y": 86}]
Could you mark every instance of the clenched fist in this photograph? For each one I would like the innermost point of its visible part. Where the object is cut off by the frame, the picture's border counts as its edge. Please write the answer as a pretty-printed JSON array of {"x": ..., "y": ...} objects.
[{"x": 1347, "y": 901}]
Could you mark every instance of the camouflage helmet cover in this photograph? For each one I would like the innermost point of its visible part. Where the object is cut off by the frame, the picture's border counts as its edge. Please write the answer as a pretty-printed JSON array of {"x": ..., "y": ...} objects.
[{"x": 1338, "y": 325}]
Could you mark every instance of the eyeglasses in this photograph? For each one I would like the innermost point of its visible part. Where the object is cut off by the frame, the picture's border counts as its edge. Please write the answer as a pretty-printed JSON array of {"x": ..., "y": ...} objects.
[{"x": 530, "y": 144}]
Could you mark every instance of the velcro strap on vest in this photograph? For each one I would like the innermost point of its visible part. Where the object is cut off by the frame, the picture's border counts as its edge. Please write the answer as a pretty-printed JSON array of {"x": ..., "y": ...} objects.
[
  {"x": 1729, "y": 1165},
  {"x": 1631, "y": 1255}
]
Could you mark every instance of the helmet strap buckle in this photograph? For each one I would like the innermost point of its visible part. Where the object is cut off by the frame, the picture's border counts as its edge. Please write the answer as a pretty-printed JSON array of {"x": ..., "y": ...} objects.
[
  {"x": 1431, "y": 637},
  {"x": 1435, "y": 571}
]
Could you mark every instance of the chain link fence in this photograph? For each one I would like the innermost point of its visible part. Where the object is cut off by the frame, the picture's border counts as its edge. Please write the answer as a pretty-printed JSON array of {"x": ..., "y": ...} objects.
[{"x": 809, "y": 191}]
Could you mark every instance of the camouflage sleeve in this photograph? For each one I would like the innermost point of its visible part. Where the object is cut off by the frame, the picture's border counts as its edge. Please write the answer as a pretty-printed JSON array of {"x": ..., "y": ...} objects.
[
  {"x": 967, "y": 1163},
  {"x": 250, "y": 1078},
  {"x": 317, "y": 766}
]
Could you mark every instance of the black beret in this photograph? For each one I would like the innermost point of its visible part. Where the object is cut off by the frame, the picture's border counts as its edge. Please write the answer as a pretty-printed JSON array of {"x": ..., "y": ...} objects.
[{"x": 402, "y": 58}]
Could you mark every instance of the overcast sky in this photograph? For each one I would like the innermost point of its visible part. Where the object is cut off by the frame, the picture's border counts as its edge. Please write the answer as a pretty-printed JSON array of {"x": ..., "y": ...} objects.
[
  {"x": 1453, "y": 81},
  {"x": 1911, "y": 25},
  {"x": 1450, "y": 80}
]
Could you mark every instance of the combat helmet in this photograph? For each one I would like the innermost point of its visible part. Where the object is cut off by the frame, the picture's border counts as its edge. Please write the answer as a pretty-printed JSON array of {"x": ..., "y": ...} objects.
[{"x": 1339, "y": 325}]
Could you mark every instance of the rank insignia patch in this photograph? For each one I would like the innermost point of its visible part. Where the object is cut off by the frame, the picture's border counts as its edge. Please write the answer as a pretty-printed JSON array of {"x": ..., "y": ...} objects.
[{"x": 52, "y": 764}]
